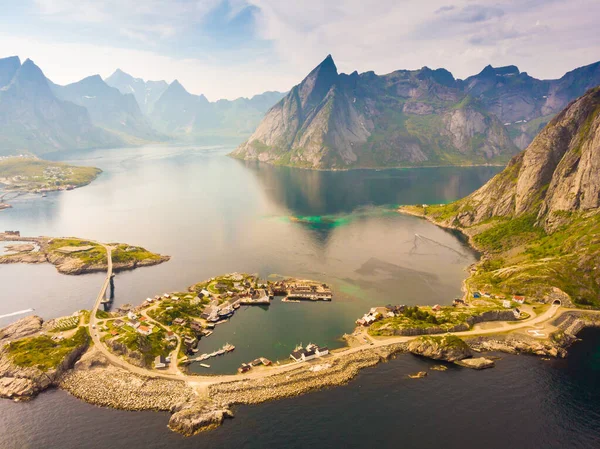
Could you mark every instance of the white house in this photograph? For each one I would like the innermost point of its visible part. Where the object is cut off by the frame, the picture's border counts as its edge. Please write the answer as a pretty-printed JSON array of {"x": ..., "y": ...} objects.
[{"x": 506, "y": 304}]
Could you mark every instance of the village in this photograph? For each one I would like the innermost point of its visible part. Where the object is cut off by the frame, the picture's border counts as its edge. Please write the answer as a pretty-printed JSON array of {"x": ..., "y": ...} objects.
[
  {"x": 163, "y": 332},
  {"x": 404, "y": 320}
]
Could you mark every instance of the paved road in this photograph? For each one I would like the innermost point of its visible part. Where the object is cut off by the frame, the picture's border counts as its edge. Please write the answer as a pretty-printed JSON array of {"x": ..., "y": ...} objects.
[{"x": 204, "y": 381}]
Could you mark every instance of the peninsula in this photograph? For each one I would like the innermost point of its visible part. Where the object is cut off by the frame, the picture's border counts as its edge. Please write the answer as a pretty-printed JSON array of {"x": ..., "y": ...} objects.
[
  {"x": 29, "y": 174},
  {"x": 139, "y": 354}
]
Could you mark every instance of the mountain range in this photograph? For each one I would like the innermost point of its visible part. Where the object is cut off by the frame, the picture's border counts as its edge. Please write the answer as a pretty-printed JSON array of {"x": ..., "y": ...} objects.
[
  {"x": 33, "y": 119},
  {"x": 38, "y": 116},
  {"x": 419, "y": 117},
  {"x": 538, "y": 221}
]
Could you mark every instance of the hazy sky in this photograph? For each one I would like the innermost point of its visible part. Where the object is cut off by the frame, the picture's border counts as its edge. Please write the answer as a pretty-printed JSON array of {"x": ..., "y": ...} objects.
[{"x": 231, "y": 48}]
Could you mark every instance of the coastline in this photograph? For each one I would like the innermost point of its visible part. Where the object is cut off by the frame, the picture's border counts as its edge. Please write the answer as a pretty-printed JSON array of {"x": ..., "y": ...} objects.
[
  {"x": 385, "y": 167},
  {"x": 202, "y": 404}
]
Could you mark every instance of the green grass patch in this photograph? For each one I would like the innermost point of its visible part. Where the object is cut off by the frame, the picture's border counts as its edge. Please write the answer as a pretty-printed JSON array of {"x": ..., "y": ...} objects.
[{"x": 44, "y": 353}]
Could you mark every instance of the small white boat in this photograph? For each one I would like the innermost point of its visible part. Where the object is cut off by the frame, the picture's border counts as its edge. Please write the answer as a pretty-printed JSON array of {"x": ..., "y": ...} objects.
[
  {"x": 220, "y": 352},
  {"x": 204, "y": 365}
]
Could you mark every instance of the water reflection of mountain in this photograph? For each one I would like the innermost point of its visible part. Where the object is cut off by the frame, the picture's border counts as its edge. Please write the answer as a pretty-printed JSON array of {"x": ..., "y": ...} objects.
[{"x": 315, "y": 193}]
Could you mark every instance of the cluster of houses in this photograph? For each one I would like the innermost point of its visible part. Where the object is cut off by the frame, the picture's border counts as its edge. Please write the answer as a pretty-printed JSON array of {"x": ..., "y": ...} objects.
[
  {"x": 310, "y": 352},
  {"x": 139, "y": 323},
  {"x": 378, "y": 313},
  {"x": 516, "y": 298},
  {"x": 13, "y": 233}
]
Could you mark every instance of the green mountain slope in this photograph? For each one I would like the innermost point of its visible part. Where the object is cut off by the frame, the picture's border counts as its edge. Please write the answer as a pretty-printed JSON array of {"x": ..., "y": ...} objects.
[{"x": 538, "y": 221}]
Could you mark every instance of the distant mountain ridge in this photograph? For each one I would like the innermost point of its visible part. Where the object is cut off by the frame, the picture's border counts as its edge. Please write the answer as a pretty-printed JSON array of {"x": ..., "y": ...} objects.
[
  {"x": 146, "y": 93},
  {"x": 38, "y": 116},
  {"x": 410, "y": 118},
  {"x": 184, "y": 115},
  {"x": 109, "y": 109},
  {"x": 33, "y": 119}
]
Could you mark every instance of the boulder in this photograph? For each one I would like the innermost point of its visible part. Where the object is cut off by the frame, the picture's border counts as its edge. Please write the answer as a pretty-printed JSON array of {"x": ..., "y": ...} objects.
[
  {"x": 476, "y": 363},
  {"x": 198, "y": 417},
  {"x": 448, "y": 347}
]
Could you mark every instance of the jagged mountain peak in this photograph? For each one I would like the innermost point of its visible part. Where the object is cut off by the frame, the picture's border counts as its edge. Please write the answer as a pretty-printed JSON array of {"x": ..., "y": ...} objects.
[
  {"x": 8, "y": 68},
  {"x": 30, "y": 77},
  {"x": 313, "y": 89}
]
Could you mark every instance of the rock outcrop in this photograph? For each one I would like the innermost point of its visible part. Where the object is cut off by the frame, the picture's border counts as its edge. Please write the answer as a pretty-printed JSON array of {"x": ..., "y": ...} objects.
[
  {"x": 198, "y": 417},
  {"x": 22, "y": 383},
  {"x": 448, "y": 348},
  {"x": 538, "y": 220},
  {"x": 24, "y": 327},
  {"x": 476, "y": 363},
  {"x": 420, "y": 117}
]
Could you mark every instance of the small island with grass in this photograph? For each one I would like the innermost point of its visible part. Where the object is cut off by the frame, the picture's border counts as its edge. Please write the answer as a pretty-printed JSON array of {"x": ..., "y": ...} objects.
[
  {"x": 29, "y": 174},
  {"x": 74, "y": 255}
]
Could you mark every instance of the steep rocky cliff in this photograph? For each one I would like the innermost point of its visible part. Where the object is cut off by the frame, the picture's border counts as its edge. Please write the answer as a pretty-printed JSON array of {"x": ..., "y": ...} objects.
[
  {"x": 538, "y": 221},
  {"x": 559, "y": 172},
  {"x": 419, "y": 117}
]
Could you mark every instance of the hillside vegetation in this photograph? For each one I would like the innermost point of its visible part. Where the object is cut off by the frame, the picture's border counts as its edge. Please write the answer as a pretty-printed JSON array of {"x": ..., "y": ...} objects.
[{"x": 538, "y": 221}]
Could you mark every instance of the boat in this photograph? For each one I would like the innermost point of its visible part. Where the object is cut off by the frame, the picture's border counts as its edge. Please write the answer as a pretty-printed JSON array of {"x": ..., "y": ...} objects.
[
  {"x": 204, "y": 357},
  {"x": 220, "y": 352},
  {"x": 204, "y": 365},
  {"x": 228, "y": 347},
  {"x": 44, "y": 195}
]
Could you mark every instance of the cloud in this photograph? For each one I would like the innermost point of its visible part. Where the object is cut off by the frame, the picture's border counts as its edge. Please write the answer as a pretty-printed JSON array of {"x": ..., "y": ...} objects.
[
  {"x": 462, "y": 37},
  {"x": 444, "y": 9},
  {"x": 476, "y": 13},
  {"x": 226, "y": 48},
  {"x": 145, "y": 21}
]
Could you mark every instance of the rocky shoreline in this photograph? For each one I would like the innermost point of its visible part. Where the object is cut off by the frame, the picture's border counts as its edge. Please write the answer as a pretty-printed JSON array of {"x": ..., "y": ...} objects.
[
  {"x": 203, "y": 405},
  {"x": 24, "y": 383},
  {"x": 308, "y": 378}
]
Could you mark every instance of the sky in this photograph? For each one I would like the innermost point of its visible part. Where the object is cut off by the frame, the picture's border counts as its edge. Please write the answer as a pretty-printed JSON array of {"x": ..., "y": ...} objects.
[{"x": 233, "y": 48}]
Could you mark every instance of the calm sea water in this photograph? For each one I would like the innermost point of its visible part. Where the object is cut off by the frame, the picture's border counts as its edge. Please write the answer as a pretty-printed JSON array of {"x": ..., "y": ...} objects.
[
  {"x": 216, "y": 215},
  {"x": 524, "y": 402}
]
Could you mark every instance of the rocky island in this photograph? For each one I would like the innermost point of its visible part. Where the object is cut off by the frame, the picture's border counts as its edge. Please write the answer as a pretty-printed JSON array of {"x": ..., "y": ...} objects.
[{"x": 73, "y": 255}]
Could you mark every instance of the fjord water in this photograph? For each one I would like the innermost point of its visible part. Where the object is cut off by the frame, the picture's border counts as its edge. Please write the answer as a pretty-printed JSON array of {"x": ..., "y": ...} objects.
[{"x": 215, "y": 215}]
